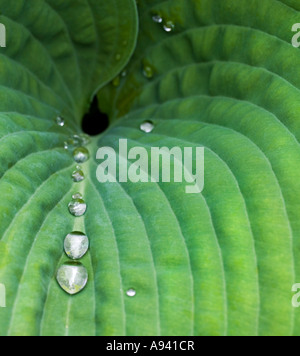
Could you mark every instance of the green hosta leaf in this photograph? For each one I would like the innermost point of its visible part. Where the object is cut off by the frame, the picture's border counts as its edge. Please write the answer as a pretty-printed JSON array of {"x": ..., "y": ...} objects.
[
  {"x": 218, "y": 263},
  {"x": 225, "y": 78},
  {"x": 58, "y": 53}
]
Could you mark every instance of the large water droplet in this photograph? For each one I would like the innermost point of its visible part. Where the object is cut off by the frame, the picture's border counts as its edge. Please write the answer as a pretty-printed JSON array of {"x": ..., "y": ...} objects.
[
  {"x": 169, "y": 26},
  {"x": 77, "y": 207},
  {"x": 72, "y": 277},
  {"x": 147, "y": 126},
  {"x": 131, "y": 293},
  {"x": 76, "y": 245},
  {"x": 81, "y": 154},
  {"x": 78, "y": 175},
  {"x": 60, "y": 121}
]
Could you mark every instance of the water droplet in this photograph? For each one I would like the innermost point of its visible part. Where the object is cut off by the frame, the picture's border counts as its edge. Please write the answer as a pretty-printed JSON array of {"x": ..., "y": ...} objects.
[
  {"x": 72, "y": 277},
  {"x": 147, "y": 126},
  {"x": 124, "y": 73},
  {"x": 76, "y": 245},
  {"x": 77, "y": 206},
  {"x": 116, "y": 82},
  {"x": 78, "y": 175},
  {"x": 81, "y": 154},
  {"x": 60, "y": 121},
  {"x": 84, "y": 139},
  {"x": 169, "y": 26},
  {"x": 157, "y": 18},
  {"x": 131, "y": 293},
  {"x": 148, "y": 71},
  {"x": 77, "y": 196},
  {"x": 72, "y": 142}
]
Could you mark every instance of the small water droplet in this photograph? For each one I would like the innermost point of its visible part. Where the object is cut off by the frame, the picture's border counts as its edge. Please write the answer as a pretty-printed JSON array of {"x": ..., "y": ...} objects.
[
  {"x": 77, "y": 196},
  {"x": 124, "y": 73},
  {"x": 60, "y": 121},
  {"x": 131, "y": 293},
  {"x": 147, "y": 126},
  {"x": 76, "y": 245},
  {"x": 77, "y": 207},
  {"x": 169, "y": 26},
  {"x": 157, "y": 18},
  {"x": 78, "y": 175},
  {"x": 116, "y": 82},
  {"x": 84, "y": 139},
  {"x": 72, "y": 277},
  {"x": 81, "y": 154},
  {"x": 72, "y": 142},
  {"x": 148, "y": 71}
]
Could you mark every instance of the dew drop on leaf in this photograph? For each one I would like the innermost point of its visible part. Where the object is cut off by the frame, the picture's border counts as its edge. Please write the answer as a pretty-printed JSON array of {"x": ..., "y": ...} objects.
[
  {"x": 77, "y": 196},
  {"x": 157, "y": 18},
  {"x": 169, "y": 26},
  {"x": 73, "y": 142},
  {"x": 72, "y": 277},
  {"x": 60, "y": 121},
  {"x": 147, "y": 126},
  {"x": 77, "y": 207},
  {"x": 76, "y": 245},
  {"x": 84, "y": 139},
  {"x": 124, "y": 73},
  {"x": 148, "y": 71},
  {"x": 116, "y": 82},
  {"x": 78, "y": 175},
  {"x": 81, "y": 154},
  {"x": 131, "y": 293}
]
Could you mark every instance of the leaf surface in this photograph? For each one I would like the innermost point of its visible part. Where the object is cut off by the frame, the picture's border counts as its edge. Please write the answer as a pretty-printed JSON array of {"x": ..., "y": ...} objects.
[
  {"x": 217, "y": 263},
  {"x": 58, "y": 54},
  {"x": 225, "y": 78}
]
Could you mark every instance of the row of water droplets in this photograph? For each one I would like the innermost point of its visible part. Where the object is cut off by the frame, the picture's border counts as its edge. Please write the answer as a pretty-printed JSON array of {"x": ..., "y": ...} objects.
[
  {"x": 72, "y": 276},
  {"x": 148, "y": 70}
]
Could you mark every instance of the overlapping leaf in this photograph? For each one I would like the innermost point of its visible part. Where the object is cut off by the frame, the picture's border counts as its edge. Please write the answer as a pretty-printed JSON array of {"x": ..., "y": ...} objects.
[{"x": 58, "y": 54}]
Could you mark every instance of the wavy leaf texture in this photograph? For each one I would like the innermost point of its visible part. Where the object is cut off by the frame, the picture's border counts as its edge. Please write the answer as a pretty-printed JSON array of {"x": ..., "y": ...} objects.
[
  {"x": 217, "y": 263},
  {"x": 58, "y": 54},
  {"x": 225, "y": 78}
]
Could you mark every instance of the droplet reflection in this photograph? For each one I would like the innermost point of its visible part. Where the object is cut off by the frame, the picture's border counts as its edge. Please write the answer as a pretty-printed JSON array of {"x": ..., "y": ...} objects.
[
  {"x": 147, "y": 126},
  {"x": 72, "y": 277},
  {"x": 76, "y": 245},
  {"x": 81, "y": 154},
  {"x": 131, "y": 293}
]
